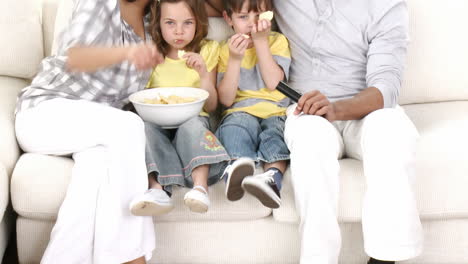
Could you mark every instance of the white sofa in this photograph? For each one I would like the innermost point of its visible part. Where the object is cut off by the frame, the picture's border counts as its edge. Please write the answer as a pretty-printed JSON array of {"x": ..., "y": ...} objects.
[{"x": 434, "y": 94}]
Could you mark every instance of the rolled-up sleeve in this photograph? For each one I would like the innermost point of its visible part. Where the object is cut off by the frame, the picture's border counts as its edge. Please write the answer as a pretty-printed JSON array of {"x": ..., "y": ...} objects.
[{"x": 388, "y": 40}]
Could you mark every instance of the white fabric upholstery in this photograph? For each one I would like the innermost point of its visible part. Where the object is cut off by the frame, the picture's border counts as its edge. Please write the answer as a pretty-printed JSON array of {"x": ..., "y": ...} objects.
[
  {"x": 21, "y": 38},
  {"x": 9, "y": 87},
  {"x": 437, "y": 56},
  {"x": 49, "y": 11},
  {"x": 4, "y": 191},
  {"x": 253, "y": 242}
]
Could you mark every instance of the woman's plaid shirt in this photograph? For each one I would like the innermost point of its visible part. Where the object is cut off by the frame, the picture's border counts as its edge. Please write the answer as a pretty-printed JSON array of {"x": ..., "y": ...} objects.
[{"x": 93, "y": 23}]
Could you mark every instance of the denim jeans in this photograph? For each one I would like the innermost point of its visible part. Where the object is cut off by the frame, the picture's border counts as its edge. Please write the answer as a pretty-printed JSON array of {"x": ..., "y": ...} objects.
[
  {"x": 244, "y": 135},
  {"x": 173, "y": 153}
]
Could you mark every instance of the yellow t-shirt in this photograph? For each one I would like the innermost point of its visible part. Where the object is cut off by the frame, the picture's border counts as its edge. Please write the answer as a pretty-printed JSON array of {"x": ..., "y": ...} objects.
[
  {"x": 252, "y": 95},
  {"x": 175, "y": 73}
]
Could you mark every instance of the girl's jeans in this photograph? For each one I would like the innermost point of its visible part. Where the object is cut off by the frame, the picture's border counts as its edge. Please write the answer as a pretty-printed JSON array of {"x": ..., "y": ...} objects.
[{"x": 174, "y": 153}]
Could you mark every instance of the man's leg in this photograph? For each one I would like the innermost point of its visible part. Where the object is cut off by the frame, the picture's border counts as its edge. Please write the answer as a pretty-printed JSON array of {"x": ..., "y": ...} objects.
[
  {"x": 315, "y": 147},
  {"x": 386, "y": 142}
]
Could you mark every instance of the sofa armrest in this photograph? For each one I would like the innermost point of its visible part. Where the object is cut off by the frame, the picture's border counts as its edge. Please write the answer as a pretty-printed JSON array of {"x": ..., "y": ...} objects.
[{"x": 9, "y": 150}]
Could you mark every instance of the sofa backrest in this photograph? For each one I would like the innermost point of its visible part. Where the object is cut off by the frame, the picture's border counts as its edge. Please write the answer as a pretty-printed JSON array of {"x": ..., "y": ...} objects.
[
  {"x": 436, "y": 64},
  {"x": 21, "y": 38}
]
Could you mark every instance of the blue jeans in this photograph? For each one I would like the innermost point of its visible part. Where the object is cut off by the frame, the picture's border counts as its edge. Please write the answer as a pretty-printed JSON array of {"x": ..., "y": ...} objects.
[
  {"x": 244, "y": 135},
  {"x": 173, "y": 153}
]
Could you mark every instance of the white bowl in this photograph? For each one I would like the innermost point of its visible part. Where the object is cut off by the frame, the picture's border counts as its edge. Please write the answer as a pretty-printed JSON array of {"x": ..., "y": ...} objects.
[{"x": 168, "y": 115}]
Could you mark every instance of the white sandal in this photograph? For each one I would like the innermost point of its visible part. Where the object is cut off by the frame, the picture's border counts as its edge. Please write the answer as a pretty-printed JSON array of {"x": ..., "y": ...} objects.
[{"x": 197, "y": 201}]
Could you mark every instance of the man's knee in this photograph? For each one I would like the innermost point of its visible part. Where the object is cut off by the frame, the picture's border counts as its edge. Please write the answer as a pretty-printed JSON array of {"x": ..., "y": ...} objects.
[{"x": 388, "y": 127}]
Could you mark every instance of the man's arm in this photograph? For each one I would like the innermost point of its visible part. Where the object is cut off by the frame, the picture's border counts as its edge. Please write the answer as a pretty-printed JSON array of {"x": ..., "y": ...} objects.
[
  {"x": 365, "y": 102},
  {"x": 388, "y": 38}
]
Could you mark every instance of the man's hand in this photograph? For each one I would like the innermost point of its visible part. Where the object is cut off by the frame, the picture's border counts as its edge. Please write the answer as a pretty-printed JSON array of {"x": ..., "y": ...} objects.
[
  {"x": 315, "y": 103},
  {"x": 261, "y": 30},
  {"x": 196, "y": 62},
  {"x": 144, "y": 56},
  {"x": 237, "y": 46}
]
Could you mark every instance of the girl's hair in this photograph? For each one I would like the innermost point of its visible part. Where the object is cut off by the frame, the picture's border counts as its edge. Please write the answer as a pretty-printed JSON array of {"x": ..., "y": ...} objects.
[
  {"x": 148, "y": 6},
  {"x": 254, "y": 5},
  {"x": 201, "y": 19}
]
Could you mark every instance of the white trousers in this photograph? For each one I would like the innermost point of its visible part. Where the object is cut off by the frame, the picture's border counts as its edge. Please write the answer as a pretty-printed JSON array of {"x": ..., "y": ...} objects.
[
  {"x": 385, "y": 141},
  {"x": 94, "y": 224}
]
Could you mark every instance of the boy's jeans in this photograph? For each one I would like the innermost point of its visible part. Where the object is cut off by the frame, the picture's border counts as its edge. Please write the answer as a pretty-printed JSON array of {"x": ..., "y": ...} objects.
[{"x": 244, "y": 135}]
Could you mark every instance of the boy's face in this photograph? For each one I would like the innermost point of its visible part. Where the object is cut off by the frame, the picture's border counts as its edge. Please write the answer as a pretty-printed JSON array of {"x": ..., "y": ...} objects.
[
  {"x": 243, "y": 21},
  {"x": 178, "y": 25}
]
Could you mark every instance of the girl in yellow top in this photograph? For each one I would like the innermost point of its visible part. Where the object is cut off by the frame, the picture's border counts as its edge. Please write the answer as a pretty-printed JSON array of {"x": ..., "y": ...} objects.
[{"x": 189, "y": 155}]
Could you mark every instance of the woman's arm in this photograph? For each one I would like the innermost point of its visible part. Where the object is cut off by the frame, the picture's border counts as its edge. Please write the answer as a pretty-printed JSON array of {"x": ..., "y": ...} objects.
[
  {"x": 91, "y": 59},
  {"x": 214, "y": 8}
]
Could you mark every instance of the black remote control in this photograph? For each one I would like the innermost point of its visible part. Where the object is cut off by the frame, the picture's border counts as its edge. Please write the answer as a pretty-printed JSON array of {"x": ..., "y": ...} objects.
[{"x": 288, "y": 91}]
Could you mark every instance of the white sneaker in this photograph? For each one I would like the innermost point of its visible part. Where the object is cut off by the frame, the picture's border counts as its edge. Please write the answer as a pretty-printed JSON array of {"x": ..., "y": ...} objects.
[
  {"x": 235, "y": 173},
  {"x": 153, "y": 202},
  {"x": 263, "y": 187},
  {"x": 197, "y": 201}
]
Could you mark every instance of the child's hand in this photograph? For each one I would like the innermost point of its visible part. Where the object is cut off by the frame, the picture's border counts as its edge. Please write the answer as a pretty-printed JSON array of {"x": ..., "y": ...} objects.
[
  {"x": 144, "y": 56},
  {"x": 237, "y": 46},
  {"x": 196, "y": 62},
  {"x": 261, "y": 30}
]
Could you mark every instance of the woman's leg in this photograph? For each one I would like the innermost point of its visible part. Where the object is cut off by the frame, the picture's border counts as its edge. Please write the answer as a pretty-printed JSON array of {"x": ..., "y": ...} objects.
[{"x": 108, "y": 148}]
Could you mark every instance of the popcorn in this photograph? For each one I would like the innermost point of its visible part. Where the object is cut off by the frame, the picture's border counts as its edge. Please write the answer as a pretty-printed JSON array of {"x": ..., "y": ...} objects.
[{"x": 245, "y": 36}]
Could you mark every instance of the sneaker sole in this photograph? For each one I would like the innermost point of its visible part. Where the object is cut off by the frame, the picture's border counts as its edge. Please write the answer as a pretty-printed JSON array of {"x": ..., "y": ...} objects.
[
  {"x": 195, "y": 205},
  {"x": 145, "y": 208},
  {"x": 234, "y": 189},
  {"x": 262, "y": 196}
]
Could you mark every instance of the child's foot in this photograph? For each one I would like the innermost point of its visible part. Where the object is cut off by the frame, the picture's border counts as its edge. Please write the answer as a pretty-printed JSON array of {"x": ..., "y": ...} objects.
[
  {"x": 153, "y": 202},
  {"x": 197, "y": 199},
  {"x": 264, "y": 188},
  {"x": 235, "y": 173}
]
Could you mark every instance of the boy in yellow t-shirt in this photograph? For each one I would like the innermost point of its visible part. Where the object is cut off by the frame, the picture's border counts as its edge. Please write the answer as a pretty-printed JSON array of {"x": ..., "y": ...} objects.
[{"x": 252, "y": 62}]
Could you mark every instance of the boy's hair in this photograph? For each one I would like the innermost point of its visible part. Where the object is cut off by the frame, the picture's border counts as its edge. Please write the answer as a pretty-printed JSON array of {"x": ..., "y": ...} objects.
[
  {"x": 201, "y": 19},
  {"x": 231, "y": 6}
]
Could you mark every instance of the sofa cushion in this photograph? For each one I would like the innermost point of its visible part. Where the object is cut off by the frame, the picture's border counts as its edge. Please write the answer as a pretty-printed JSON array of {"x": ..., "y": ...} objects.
[
  {"x": 4, "y": 191},
  {"x": 9, "y": 88},
  {"x": 21, "y": 38},
  {"x": 441, "y": 168},
  {"x": 39, "y": 185},
  {"x": 438, "y": 54}
]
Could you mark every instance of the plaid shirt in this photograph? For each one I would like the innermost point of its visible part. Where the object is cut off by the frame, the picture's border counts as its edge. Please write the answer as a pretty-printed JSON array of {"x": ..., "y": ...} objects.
[{"x": 93, "y": 23}]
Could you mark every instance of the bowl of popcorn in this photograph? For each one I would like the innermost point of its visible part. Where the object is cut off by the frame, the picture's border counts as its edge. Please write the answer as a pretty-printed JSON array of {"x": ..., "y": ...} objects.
[{"x": 169, "y": 107}]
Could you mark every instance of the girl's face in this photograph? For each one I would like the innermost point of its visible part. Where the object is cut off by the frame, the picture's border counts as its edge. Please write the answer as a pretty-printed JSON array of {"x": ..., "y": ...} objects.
[
  {"x": 243, "y": 21},
  {"x": 178, "y": 24}
]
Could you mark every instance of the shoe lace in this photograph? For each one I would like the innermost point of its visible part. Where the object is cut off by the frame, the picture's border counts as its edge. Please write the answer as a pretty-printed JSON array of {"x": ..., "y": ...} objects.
[
  {"x": 226, "y": 171},
  {"x": 269, "y": 176}
]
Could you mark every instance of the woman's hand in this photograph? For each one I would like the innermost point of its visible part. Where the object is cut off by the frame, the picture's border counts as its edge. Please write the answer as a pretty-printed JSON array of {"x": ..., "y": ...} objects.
[
  {"x": 196, "y": 62},
  {"x": 144, "y": 56},
  {"x": 261, "y": 30},
  {"x": 237, "y": 46}
]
